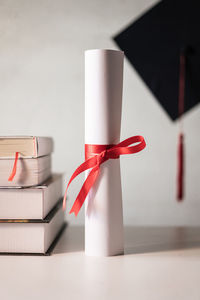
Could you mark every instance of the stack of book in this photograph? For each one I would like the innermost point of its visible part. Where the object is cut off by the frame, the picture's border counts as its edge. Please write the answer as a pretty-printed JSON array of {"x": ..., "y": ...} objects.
[{"x": 31, "y": 216}]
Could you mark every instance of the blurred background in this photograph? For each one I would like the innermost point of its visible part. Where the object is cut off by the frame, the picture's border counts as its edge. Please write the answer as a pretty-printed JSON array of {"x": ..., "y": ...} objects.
[{"x": 42, "y": 44}]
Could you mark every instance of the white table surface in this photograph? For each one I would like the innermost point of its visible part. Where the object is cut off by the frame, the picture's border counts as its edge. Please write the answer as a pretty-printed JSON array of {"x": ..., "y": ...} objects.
[{"x": 159, "y": 263}]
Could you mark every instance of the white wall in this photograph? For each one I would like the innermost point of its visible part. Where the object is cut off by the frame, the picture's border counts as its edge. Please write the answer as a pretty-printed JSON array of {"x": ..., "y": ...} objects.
[{"x": 42, "y": 45}]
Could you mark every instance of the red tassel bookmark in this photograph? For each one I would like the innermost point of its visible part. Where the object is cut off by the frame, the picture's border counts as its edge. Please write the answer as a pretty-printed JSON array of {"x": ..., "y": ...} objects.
[{"x": 14, "y": 170}]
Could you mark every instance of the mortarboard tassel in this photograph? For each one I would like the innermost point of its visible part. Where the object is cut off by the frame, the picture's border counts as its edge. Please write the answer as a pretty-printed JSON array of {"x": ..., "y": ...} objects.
[
  {"x": 180, "y": 174},
  {"x": 180, "y": 171}
]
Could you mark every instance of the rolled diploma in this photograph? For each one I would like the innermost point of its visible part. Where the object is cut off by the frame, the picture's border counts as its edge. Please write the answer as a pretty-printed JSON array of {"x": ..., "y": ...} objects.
[{"x": 103, "y": 102}]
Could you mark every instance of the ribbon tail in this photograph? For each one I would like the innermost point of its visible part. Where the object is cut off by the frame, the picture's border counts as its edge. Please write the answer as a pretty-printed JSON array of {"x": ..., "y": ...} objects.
[
  {"x": 14, "y": 170},
  {"x": 83, "y": 167},
  {"x": 85, "y": 190}
]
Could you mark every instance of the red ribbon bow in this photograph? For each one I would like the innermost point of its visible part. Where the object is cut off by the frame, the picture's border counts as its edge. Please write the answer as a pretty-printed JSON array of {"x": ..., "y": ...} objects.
[{"x": 95, "y": 156}]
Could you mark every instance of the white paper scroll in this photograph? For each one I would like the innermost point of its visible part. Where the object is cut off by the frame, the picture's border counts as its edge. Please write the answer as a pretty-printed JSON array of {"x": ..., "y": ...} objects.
[{"x": 103, "y": 102}]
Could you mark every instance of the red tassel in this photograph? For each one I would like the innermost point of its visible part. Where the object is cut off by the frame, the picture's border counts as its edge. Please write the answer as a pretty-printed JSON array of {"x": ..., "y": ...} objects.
[
  {"x": 180, "y": 170},
  {"x": 180, "y": 174},
  {"x": 14, "y": 170}
]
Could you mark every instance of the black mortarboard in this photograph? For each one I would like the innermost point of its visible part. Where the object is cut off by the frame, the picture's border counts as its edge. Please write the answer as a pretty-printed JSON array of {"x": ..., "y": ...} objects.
[{"x": 153, "y": 44}]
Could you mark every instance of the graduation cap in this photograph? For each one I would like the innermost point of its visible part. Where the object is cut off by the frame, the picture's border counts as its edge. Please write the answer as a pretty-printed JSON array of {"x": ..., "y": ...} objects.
[{"x": 163, "y": 45}]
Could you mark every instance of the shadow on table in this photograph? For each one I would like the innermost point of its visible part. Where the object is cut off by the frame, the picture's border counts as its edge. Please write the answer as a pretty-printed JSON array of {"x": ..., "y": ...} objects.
[
  {"x": 72, "y": 240},
  {"x": 137, "y": 239},
  {"x": 156, "y": 239}
]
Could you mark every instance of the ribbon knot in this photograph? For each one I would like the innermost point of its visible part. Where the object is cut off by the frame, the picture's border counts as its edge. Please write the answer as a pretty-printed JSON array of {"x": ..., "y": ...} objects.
[
  {"x": 102, "y": 157},
  {"x": 112, "y": 153},
  {"x": 95, "y": 155}
]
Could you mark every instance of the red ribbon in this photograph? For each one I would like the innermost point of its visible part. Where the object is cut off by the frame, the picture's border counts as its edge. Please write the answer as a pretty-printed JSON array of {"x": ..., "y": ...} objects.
[
  {"x": 95, "y": 156},
  {"x": 14, "y": 170}
]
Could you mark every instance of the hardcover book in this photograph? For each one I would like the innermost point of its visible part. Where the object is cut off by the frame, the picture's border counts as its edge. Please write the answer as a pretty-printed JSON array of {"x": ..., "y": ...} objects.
[
  {"x": 30, "y": 171},
  {"x": 31, "y": 236},
  {"x": 32, "y": 202},
  {"x": 27, "y": 146}
]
